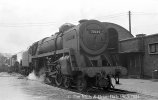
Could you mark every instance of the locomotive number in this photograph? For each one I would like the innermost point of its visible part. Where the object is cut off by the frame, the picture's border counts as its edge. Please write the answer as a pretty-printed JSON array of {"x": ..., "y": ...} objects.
[{"x": 94, "y": 31}]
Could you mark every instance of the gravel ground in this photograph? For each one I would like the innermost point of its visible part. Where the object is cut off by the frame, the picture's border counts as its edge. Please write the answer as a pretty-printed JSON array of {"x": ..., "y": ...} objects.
[
  {"x": 145, "y": 88},
  {"x": 16, "y": 87}
]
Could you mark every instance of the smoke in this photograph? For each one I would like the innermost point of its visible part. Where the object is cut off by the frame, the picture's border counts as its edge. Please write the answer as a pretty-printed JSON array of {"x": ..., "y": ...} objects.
[
  {"x": 40, "y": 77},
  {"x": 32, "y": 76}
]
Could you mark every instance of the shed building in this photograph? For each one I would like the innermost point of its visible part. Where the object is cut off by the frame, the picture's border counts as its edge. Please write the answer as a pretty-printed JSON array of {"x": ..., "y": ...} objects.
[{"x": 140, "y": 55}]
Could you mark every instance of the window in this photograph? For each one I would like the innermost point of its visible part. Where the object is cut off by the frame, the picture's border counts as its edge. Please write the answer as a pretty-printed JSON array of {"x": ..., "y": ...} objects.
[
  {"x": 153, "y": 48},
  {"x": 157, "y": 47}
]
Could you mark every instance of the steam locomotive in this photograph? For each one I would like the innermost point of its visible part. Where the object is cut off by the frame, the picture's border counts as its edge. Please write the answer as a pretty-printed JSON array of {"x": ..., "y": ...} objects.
[{"x": 83, "y": 55}]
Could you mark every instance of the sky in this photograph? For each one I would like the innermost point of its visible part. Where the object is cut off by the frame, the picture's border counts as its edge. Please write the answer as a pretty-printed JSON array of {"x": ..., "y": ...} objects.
[{"x": 23, "y": 22}]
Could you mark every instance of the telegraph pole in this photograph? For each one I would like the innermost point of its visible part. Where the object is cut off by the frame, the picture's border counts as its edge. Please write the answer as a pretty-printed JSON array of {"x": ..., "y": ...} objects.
[{"x": 129, "y": 14}]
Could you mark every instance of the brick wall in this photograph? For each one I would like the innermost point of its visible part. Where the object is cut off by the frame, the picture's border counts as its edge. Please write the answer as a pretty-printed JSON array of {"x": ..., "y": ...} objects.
[
  {"x": 130, "y": 45},
  {"x": 141, "y": 44},
  {"x": 150, "y": 60}
]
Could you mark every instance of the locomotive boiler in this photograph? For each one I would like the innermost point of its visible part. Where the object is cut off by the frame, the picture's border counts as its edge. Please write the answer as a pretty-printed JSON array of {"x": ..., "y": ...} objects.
[{"x": 83, "y": 55}]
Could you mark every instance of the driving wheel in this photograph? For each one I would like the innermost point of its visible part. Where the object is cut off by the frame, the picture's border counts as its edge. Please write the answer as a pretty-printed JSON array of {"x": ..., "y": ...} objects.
[{"x": 58, "y": 76}]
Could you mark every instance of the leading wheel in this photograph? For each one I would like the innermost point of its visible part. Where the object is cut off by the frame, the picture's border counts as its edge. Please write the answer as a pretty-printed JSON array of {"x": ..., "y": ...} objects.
[{"x": 81, "y": 84}]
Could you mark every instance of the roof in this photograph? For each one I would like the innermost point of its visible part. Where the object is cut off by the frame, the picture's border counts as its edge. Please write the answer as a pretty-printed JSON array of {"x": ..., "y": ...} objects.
[{"x": 122, "y": 32}]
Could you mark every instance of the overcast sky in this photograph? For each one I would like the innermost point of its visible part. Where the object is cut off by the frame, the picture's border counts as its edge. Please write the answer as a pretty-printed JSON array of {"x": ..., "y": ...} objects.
[{"x": 23, "y": 22}]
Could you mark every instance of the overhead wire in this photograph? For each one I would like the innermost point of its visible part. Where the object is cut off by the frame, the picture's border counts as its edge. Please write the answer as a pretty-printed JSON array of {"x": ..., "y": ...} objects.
[
  {"x": 112, "y": 16},
  {"x": 145, "y": 13},
  {"x": 30, "y": 24},
  {"x": 50, "y": 23},
  {"x": 26, "y": 24}
]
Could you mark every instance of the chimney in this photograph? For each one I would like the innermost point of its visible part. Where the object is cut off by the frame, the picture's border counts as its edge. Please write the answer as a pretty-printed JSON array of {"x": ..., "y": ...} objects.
[{"x": 82, "y": 20}]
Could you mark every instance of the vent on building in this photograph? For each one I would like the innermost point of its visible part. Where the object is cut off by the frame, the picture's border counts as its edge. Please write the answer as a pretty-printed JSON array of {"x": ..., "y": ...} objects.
[{"x": 140, "y": 35}]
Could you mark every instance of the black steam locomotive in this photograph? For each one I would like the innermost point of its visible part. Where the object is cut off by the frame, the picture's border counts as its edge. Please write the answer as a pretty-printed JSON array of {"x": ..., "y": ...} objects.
[{"x": 83, "y": 55}]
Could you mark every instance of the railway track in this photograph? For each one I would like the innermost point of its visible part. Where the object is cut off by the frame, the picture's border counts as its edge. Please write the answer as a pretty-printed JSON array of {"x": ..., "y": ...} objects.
[
  {"x": 113, "y": 93},
  {"x": 97, "y": 91}
]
